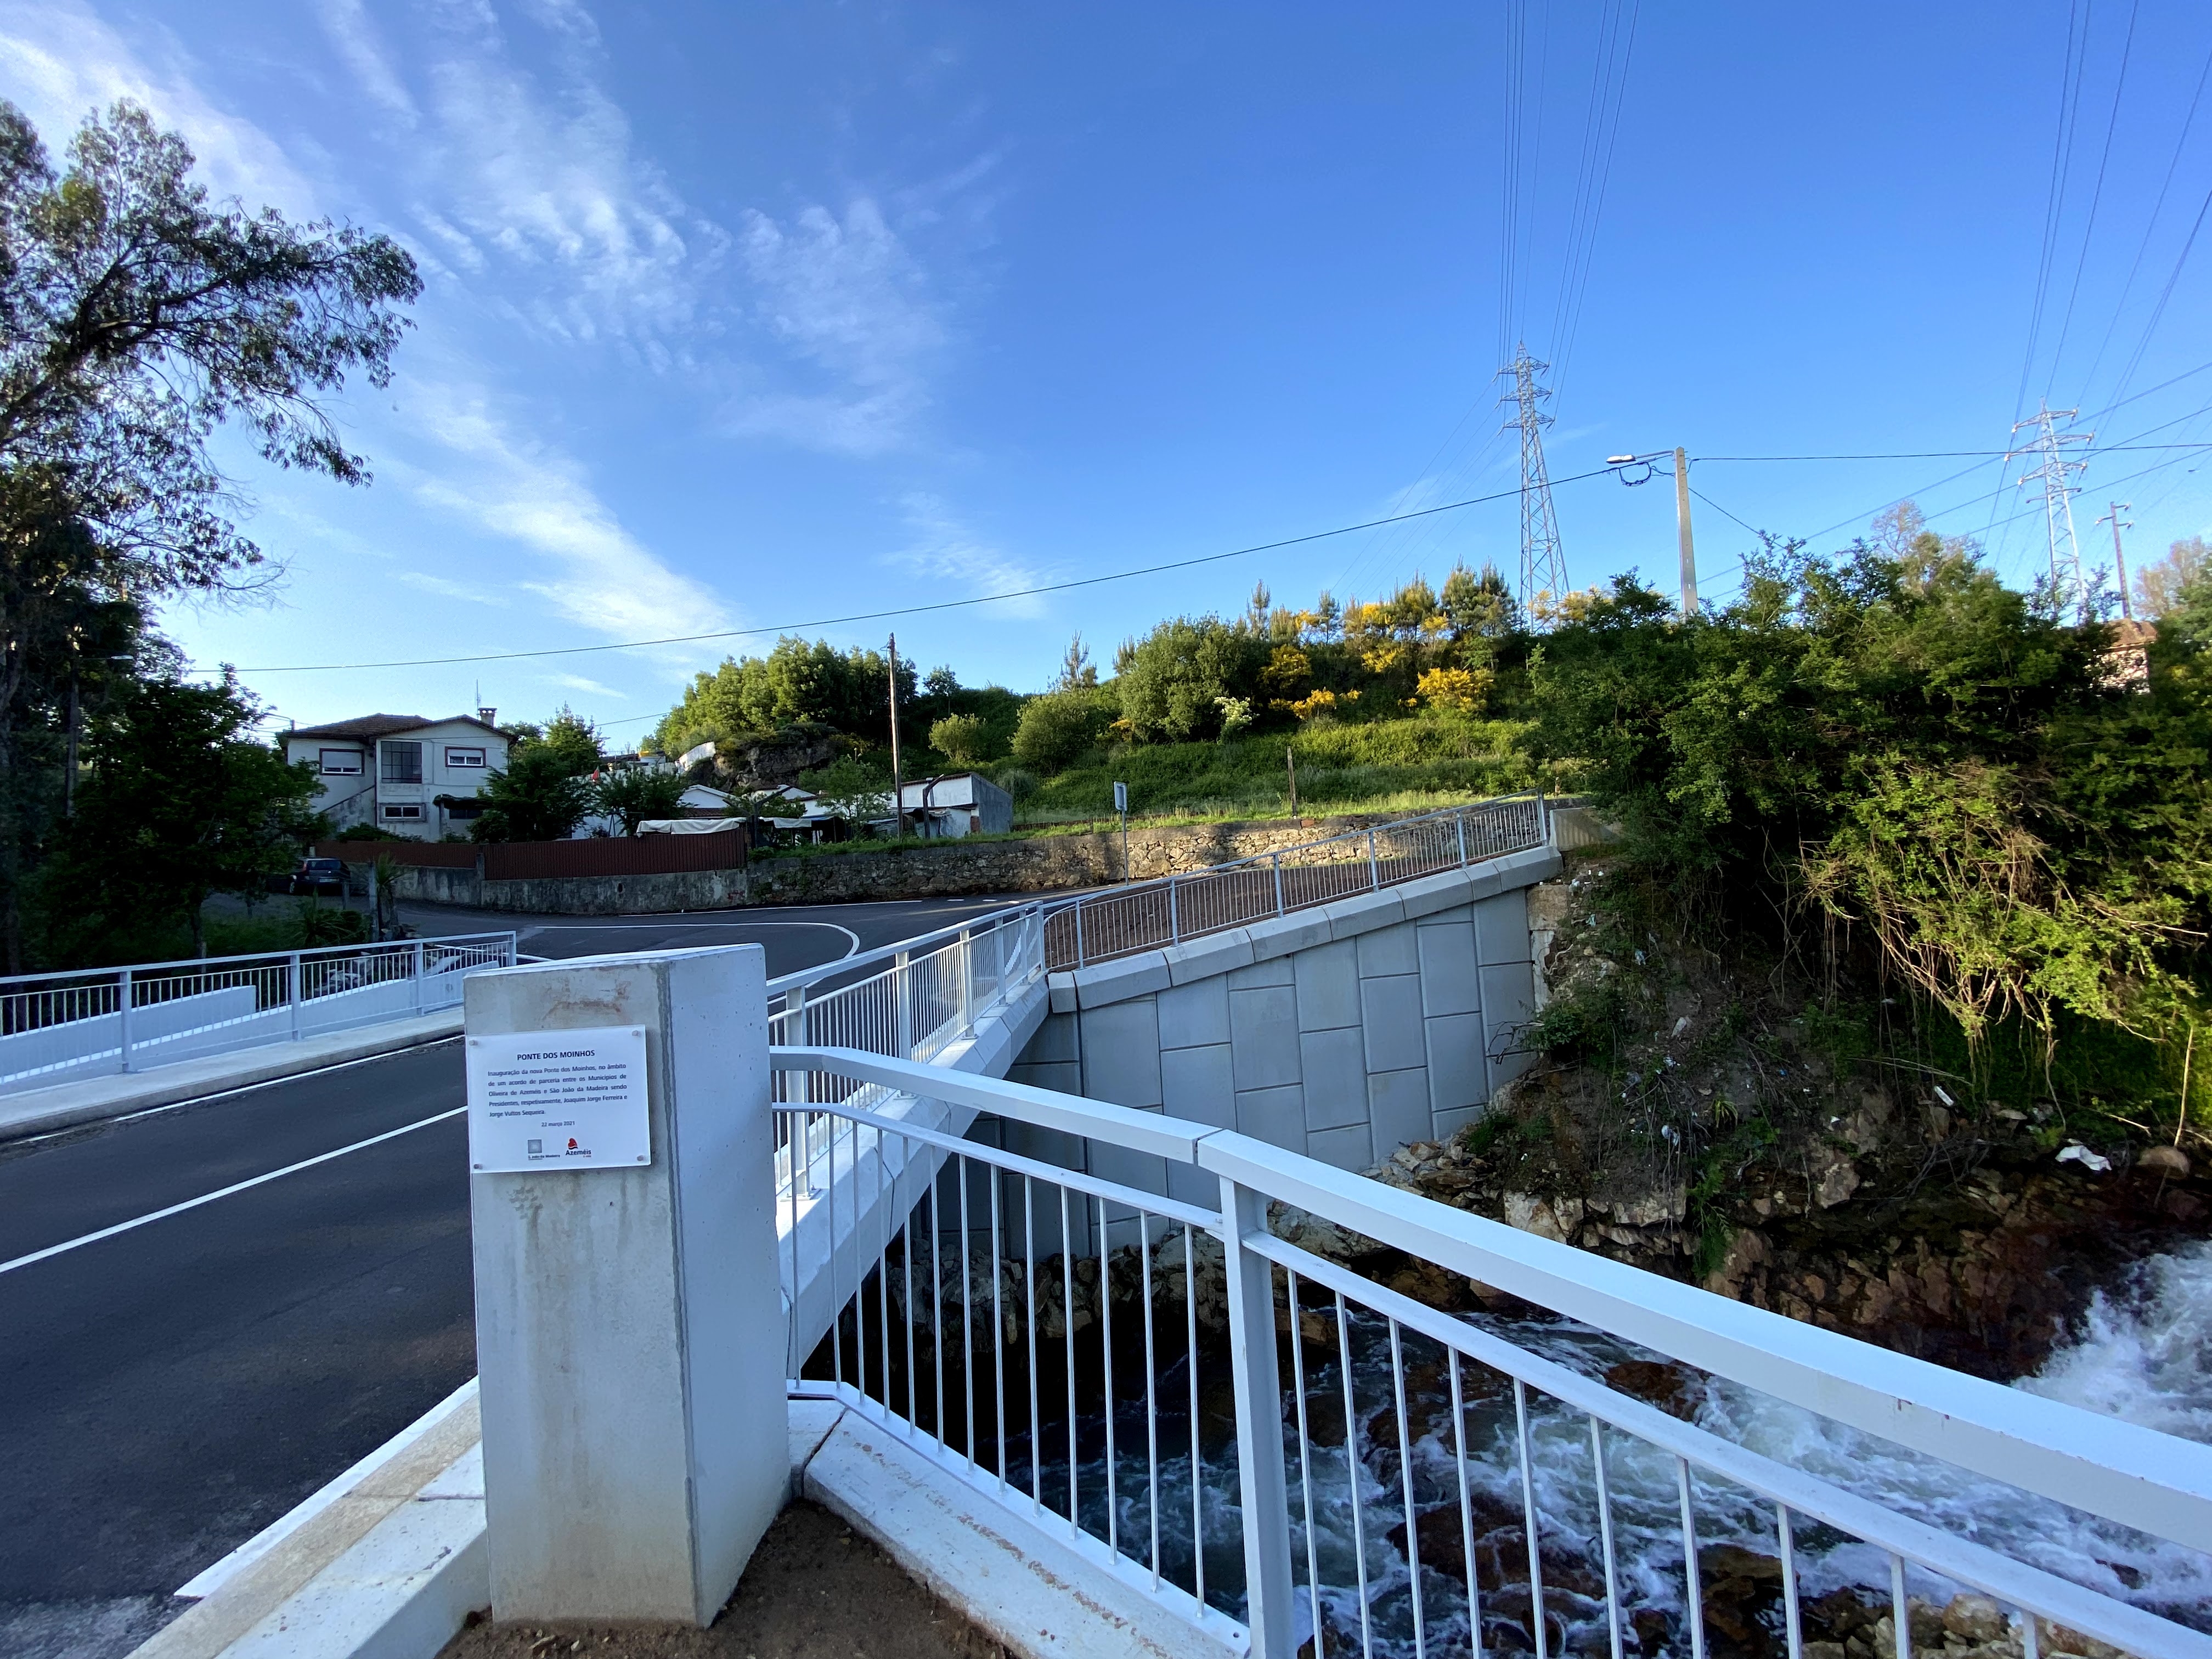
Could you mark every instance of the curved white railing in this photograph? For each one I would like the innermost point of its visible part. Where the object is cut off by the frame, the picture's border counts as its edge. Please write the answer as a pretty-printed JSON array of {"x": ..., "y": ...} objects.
[
  {"x": 980, "y": 1297},
  {"x": 95, "y": 1021}
]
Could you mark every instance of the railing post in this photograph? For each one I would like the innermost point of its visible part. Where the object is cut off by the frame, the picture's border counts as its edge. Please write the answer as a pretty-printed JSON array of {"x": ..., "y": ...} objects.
[
  {"x": 1175, "y": 926},
  {"x": 123, "y": 1012},
  {"x": 901, "y": 1007},
  {"x": 1259, "y": 1395},
  {"x": 1078, "y": 908},
  {"x": 999, "y": 962},
  {"x": 966, "y": 984},
  {"x": 1374, "y": 870},
  {"x": 794, "y": 1003},
  {"x": 292, "y": 975},
  {"x": 1278, "y": 859},
  {"x": 418, "y": 975},
  {"x": 1459, "y": 822},
  {"x": 630, "y": 1383}
]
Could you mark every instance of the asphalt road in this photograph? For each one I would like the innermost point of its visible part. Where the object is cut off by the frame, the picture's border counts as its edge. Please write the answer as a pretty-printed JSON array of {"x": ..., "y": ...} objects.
[{"x": 170, "y": 1390}]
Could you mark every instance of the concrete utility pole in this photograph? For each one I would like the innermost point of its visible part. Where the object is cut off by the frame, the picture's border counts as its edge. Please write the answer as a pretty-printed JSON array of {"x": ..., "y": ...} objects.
[
  {"x": 1682, "y": 526},
  {"x": 898, "y": 789},
  {"x": 2119, "y": 558}
]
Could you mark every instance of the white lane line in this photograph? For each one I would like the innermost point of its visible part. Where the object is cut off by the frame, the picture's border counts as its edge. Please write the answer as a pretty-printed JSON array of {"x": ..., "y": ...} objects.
[{"x": 225, "y": 1192}]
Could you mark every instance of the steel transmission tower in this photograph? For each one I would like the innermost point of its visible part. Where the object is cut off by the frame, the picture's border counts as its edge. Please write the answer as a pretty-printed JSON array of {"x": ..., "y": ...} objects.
[
  {"x": 2053, "y": 470},
  {"x": 1543, "y": 561}
]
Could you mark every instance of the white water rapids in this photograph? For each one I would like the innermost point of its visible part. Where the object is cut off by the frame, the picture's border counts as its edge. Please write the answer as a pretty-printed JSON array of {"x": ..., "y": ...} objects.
[{"x": 2144, "y": 1354}]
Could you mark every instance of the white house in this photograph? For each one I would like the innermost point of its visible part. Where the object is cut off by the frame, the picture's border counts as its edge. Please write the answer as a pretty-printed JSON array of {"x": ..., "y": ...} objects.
[
  {"x": 389, "y": 770},
  {"x": 956, "y": 804}
]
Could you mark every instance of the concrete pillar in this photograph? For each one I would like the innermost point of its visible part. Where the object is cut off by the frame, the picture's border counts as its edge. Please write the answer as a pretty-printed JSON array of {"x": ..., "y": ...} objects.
[{"x": 630, "y": 1321}]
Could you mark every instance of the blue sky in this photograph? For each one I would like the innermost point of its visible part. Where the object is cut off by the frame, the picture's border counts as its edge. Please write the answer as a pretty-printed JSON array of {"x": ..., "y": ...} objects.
[{"x": 738, "y": 317}]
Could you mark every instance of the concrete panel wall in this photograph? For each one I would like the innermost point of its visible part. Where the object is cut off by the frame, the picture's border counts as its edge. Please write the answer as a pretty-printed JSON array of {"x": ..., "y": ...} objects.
[{"x": 1394, "y": 1022}]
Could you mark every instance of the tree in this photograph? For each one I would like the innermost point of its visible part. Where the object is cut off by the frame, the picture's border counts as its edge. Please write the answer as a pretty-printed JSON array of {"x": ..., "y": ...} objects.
[
  {"x": 135, "y": 318},
  {"x": 539, "y": 797},
  {"x": 960, "y": 737},
  {"x": 1913, "y": 750},
  {"x": 637, "y": 793},
  {"x": 569, "y": 736},
  {"x": 1077, "y": 671},
  {"x": 2158, "y": 587},
  {"x": 797, "y": 684},
  {"x": 849, "y": 789},
  {"x": 1056, "y": 729},
  {"x": 1171, "y": 681},
  {"x": 179, "y": 802}
]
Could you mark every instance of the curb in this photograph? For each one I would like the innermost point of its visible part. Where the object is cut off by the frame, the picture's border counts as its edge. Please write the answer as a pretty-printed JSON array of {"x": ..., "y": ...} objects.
[{"x": 65, "y": 1105}]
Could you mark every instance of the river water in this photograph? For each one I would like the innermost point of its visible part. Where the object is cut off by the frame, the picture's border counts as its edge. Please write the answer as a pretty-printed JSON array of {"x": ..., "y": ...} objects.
[{"x": 2144, "y": 1354}]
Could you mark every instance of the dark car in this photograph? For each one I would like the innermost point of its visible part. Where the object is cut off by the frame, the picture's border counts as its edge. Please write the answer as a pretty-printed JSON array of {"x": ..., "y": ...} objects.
[{"x": 320, "y": 875}]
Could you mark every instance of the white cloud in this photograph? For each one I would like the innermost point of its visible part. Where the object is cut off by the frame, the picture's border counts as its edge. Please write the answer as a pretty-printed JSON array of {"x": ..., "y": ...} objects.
[
  {"x": 944, "y": 549},
  {"x": 545, "y": 181},
  {"x": 446, "y": 589},
  {"x": 847, "y": 297},
  {"x": 600, "y": 575},
  {"x": 60, "y": 63},
  {"x": 355, "y": 38},
  {"x": 578, "y": 682}
]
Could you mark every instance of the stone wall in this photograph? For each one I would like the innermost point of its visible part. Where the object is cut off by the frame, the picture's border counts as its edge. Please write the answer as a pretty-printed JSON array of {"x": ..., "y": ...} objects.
[
  {"x": 1343, "y": 1032},
  {"x": 575, "y": 895},
  {"x": 949, "y": 868}
]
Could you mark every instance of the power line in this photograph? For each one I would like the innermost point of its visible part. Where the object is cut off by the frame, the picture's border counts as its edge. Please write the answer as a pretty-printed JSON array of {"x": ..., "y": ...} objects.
[
  {"x": 2150, "y": 225},
  {"x": 917, "y": 609},
  {"x": 2096, "y": 197}
]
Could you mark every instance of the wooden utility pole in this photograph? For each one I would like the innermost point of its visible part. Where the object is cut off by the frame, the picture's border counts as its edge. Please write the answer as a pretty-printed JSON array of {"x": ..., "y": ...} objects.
[
  {"x": 1290, "y": 755},
  {"x": 898, "y": 788},
  {"x": 1682, "y": 524}
]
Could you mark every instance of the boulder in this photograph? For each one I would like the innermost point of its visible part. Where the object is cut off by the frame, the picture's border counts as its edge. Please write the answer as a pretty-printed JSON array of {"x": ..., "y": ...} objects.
[{"x": 2168, "y": 1162}]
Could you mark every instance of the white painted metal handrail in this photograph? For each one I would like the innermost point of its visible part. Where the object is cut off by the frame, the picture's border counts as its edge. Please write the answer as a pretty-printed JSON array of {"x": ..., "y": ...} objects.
[
  {"x": 1153, "y": 915},
  {"x": 91, "y": 1022},
  {"x": 2137, "y": 1477}
]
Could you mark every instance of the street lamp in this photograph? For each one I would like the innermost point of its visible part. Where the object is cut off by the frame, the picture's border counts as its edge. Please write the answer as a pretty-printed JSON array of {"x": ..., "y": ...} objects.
[{"x": 1681, "y": 475}]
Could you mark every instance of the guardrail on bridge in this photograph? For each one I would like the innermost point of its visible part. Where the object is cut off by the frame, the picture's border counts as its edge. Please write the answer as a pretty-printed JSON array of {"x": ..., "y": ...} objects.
[
  {"x": 92, "y": 1021},
  {"x": 1152, "y": 914}
]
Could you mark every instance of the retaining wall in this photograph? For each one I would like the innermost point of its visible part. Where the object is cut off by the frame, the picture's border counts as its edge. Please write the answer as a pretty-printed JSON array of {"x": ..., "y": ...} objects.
[
  {"x": 1342, "y": 1032},
  {"x": 952, "y": 867}
]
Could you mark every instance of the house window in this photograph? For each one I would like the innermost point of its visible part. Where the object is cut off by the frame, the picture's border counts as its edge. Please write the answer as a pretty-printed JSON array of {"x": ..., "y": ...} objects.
[
  {"x": 463, "y": 811},
  {"x": 464, "y": 757},
  {"x": 338, "y": 762},
  {"x": 402, "y": 809},
  {"x": 403, "y": 764}
]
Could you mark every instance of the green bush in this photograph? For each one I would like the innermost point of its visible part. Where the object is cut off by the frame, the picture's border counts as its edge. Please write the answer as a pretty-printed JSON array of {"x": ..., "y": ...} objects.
[
  {"x": 1058, "y": 728},
  {"x": 962, "y": 739}
]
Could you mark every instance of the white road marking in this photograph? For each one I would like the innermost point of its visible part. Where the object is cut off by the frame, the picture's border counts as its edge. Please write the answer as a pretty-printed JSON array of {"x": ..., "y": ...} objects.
[{"x": 225, "y": 1192}]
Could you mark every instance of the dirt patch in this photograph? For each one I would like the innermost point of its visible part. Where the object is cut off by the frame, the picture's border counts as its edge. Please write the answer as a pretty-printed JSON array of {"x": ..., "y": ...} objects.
[{"x": 814, "y": 1589}]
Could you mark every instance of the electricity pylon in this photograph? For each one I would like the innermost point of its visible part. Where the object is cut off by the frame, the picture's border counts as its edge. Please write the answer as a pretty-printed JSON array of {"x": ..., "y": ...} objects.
[
  {"x": 2051, "y": 469},
  {"x": 1543, "y": 561}
]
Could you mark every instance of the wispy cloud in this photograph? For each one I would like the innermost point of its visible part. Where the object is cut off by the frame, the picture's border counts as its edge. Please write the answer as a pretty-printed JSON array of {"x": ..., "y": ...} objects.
[
  {"x": 578, "y": 682},
  {"x": 446, "y": 589},
  {"x": 540, "y": 176},
  {"x": 598, "y": 575},
  {"x": 943, "y": 548},
  {"x": 846, "y": 300},
  {"x": 60, "y": 63},
  {"x": 355, "y": 37}
]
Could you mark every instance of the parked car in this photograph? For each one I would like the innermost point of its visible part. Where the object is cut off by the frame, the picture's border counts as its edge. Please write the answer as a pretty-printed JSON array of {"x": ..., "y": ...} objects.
[{"x": 320, "y": 875}]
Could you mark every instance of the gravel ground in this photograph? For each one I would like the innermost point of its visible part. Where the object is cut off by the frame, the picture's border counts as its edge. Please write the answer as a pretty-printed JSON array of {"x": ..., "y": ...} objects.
[{"x": 815, "y": 1590}]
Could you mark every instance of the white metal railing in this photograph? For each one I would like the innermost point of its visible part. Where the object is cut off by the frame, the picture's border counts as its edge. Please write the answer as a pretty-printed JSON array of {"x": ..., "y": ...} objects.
[
  {"x": 1399, "y": 1480},
  {"x": 90, "y": 1021},
  {"x": 1149, "y": 916}
]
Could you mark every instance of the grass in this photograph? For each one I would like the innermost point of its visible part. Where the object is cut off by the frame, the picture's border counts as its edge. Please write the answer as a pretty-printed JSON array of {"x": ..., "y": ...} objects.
[{"x": 1408, "y": 764}]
